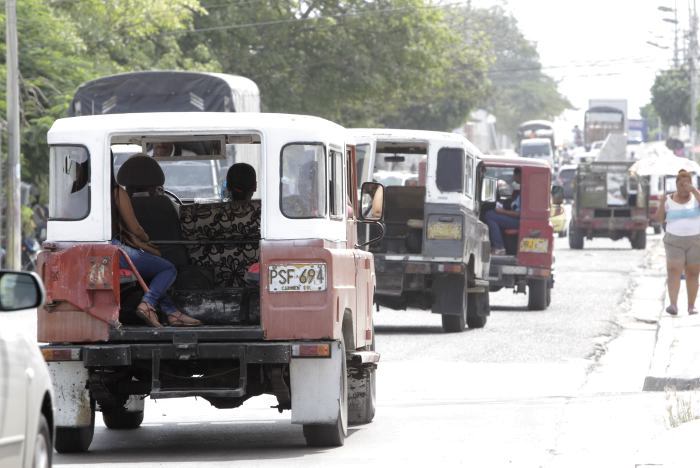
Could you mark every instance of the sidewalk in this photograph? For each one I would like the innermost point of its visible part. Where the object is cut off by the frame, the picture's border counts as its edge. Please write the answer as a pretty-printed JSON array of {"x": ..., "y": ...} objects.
[
  {"x": 674, "y": 370},
  {"x": 675, "y": 363}
]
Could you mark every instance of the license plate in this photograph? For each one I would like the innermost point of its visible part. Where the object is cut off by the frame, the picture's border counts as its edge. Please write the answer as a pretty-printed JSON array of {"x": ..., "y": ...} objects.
[
  {"x": 297, "y": 277},
  {"x": 440, "y": 231},
  {"x": 529, "y": 244}
]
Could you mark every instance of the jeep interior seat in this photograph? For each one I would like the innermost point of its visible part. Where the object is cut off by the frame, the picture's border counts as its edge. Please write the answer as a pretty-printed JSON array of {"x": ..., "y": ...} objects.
[
  {"x": 403, "y": 218},
  {"x": 228, "y": 235},
  {"x": 155, "y": 212}
]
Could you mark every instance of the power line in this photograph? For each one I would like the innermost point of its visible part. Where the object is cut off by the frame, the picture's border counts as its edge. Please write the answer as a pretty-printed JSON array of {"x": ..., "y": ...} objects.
[{"x": 311, "y": 18}]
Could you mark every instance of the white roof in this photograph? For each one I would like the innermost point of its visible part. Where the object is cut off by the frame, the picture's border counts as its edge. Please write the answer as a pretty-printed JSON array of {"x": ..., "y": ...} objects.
[
  {"x": 536, "y": 122},
  {"x": 393, "y": 134},
  {"x": 189, "y": 122},
  {"x": 238, "y": 82},
  {"x": 535, "y": 141}
]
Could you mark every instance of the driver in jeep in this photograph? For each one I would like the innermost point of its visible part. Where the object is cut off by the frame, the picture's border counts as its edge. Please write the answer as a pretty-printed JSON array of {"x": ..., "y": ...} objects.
[{"x": 501, "y": 217}]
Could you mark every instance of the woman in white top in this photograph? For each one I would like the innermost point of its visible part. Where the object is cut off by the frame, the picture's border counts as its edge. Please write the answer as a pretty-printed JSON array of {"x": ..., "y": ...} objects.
[{"x": 681, "y": 213}]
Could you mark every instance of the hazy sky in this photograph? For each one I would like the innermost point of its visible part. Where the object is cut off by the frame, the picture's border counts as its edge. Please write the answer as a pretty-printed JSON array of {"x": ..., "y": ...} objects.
[{"x": 598, "y": 48}]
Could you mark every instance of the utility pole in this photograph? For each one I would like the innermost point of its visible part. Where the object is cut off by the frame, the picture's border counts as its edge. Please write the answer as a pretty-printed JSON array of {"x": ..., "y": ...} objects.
[
  {"x": 692, "y": 69},
  {"x": 13, "y": 218},
  {"x": 675, "y": 35}
]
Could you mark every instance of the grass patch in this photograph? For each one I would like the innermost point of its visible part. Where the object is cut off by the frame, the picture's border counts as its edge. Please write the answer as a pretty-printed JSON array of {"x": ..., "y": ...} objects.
[{"x": 680, "y": 407}]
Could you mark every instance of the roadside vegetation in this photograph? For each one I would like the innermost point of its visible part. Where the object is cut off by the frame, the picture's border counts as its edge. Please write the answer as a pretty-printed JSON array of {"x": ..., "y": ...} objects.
[{"x": 399, "y": 63}]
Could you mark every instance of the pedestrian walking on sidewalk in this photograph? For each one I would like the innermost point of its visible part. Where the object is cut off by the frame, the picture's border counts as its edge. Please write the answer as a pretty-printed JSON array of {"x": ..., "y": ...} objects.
[{"x": 681, "y": 214}]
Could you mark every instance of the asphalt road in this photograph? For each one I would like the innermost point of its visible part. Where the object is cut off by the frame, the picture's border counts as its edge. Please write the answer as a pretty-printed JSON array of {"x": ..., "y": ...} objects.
[{"x": 504, "y": 395}]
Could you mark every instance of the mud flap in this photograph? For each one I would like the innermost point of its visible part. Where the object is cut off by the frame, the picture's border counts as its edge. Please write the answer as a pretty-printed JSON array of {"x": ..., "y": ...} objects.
[
  {"x": 315, "y": 388},
  {"x": 71, "y": 396}
]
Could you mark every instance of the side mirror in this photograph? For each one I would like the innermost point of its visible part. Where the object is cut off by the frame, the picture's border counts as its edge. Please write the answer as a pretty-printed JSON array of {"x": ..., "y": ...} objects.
[
  {"x": 20, "y": 290},
  {"x": 372, "y": 202},
  {"x": 557, "y": 194},
  {"x": 489, "y": 188}
]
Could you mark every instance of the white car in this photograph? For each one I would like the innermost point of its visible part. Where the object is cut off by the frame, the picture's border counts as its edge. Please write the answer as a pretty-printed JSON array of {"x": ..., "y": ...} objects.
[
  {"x": 538, "y": 148},
  {"x": 26, "y": 414}
]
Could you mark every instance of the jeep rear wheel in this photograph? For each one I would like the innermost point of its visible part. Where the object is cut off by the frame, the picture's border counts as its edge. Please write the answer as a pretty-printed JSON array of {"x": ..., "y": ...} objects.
[
  {"x": 575, "y": 237},
  {"x": 450, "y": 301},
  {"x": 362, "y": 396},
  {"x": 332, "y": 435},
  {"x": 639, "y": 240},
  {"x": 478, "y": 309},
  {"x": 75, "y": 439},
  {"x": 537, "y": 294}
]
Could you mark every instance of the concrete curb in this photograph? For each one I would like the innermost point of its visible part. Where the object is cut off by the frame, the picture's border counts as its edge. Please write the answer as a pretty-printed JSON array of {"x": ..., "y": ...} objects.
[{"x": 669, "y": 337}]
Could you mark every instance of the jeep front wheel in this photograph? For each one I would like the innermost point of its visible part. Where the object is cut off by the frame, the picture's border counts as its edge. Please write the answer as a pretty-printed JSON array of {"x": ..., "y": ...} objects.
[{"x": 122, "y": 419}]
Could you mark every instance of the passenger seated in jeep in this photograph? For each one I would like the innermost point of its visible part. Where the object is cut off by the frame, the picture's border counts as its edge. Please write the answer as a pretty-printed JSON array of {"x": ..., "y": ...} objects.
[
  {"x": 504, "y": 217},
  {"x": 142, "y": 173},
  {"x": 241, "y": 181}
]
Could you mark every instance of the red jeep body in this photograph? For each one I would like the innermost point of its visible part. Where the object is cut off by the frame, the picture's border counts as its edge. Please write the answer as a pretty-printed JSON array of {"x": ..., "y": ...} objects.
[{"x": 529, "y": 249}]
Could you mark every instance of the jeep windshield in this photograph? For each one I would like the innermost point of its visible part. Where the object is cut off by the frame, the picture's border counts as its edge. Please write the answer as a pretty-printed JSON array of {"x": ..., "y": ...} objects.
[
  {"x": 529, "y": 151},
  {"x": 393, "y": 169},
  {"x": 191, "y": 179}
]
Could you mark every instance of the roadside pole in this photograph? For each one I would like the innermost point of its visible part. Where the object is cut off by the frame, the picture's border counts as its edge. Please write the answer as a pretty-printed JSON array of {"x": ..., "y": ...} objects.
[
  {"x": 13, "y": 217},
  {"x": 3, "y": 184},
  {"x": 692, "y": 65}
]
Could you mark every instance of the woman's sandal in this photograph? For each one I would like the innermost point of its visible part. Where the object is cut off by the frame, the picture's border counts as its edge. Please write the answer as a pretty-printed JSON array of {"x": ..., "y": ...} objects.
[
  {"x": 692, "y": 310},
  {"x": 672, "y": 310},
  {"x": 148, "y": 314},
  {"x": 180, "y": 319}
]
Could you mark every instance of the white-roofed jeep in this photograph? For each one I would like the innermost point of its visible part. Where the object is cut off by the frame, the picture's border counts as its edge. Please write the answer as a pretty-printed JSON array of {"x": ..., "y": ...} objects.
[{"x": 301, "y": 330}]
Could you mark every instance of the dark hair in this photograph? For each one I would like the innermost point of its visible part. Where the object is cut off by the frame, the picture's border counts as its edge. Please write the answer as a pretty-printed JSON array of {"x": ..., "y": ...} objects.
[
  {"x": 684, "y": 174},
  {"x": 241, "y": 181}
]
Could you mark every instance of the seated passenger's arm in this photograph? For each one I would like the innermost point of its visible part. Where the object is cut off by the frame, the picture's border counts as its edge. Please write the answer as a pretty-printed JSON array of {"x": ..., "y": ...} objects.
[{"x": 126, "y": 212}]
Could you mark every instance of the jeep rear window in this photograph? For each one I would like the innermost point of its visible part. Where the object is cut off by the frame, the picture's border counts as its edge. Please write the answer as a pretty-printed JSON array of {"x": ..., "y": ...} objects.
[
  {"x": 303, "y": 183},
  {"x": 69, "y": 183},
  {"x": 450, "y": 170}
]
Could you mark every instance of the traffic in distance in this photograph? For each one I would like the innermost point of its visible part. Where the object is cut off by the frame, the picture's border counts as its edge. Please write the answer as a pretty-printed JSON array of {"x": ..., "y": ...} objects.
[{"x": 282, "y": 286}]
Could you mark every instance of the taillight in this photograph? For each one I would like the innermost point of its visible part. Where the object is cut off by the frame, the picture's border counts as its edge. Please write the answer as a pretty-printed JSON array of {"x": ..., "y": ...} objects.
[
  {"x": 61, "y": 354},
  {"x": 311, "y": 350}
]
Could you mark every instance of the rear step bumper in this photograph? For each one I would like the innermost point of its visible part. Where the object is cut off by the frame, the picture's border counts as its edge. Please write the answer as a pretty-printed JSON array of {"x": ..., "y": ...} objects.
[
  {"x": 154, "y": 354},
  {"x": 227, "y": 333},
  {"x": 505, "y": 271}
]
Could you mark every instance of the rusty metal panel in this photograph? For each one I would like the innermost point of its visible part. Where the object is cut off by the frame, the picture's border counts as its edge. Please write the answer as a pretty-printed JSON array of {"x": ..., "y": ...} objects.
[{"x": 82, "y": 293}]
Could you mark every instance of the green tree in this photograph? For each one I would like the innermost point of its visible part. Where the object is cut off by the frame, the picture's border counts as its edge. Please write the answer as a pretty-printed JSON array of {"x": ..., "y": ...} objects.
[
  {"x": 119, "y": 40},
  {"x": 51, "y": 61},
  {"x": 648, "y": 113},
  {"x": 670, "y": 96},
  {"x": 357, "y": 62},
  {"x": 64, "y": 43},
  {"x": 520, "y": 90}
]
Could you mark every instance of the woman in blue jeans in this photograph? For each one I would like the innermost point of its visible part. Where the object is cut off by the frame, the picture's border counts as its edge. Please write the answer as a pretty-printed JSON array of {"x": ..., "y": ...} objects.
[
  {"x": 157, "y": 271},
  {"x": 500, "y": 218}
]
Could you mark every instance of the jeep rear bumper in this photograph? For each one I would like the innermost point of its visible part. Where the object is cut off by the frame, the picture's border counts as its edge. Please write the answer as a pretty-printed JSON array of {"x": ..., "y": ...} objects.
[
  {"x": 397, "y": 274},
  {"x": 506, "y": 272}
]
